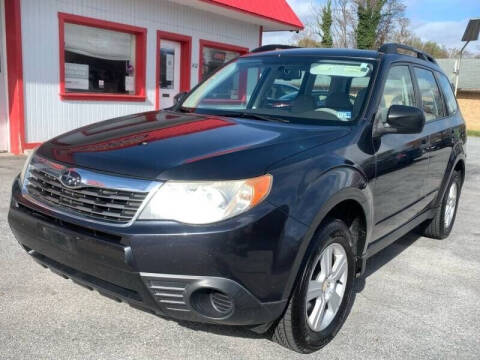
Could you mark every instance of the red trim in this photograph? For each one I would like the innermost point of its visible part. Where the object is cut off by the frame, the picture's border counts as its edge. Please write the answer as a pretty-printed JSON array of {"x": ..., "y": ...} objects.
[
  {"x": 219, "y": 46},
  {"x": 276, "y": 11},
  {"x": 140, "y": 58},
  {"x": 260, "y": 36},
  {"x": 16, "y": 110},
  {"x": 30, "y": 146},
  {"x": 185, "y": 62}
]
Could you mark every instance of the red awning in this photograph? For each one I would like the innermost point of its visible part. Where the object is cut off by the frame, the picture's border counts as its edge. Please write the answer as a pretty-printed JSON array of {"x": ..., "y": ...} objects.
[{"x": 274, "y": 10}]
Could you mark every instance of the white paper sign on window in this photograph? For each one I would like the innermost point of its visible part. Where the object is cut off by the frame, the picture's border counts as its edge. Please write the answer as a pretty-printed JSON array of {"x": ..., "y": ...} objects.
[
  {"x": 76, "y": 76},
  {"x": 129, "y": 83},
  {"x": 170, "y": 67}
]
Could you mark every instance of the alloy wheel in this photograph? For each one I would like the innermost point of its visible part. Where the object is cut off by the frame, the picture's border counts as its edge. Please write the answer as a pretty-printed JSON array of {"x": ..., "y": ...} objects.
[{"x": 326, "y": 288}]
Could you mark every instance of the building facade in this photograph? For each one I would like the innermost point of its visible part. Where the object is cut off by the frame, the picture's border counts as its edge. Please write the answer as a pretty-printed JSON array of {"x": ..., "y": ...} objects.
[
  {"x": 468, "y": 94},
  {"x": 69, "y": 63}
]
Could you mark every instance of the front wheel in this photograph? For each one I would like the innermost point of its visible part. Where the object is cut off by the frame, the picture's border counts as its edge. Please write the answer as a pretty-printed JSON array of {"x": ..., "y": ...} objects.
[{"x": 324, "y": 293}]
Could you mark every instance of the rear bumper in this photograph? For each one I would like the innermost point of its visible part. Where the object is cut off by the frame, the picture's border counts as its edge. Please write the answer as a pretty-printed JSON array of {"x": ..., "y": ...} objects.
[{"x": 134, "y": 267}]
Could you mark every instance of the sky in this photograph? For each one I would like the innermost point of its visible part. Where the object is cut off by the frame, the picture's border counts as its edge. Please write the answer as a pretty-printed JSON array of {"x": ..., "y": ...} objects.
[{"x": 443, "y": 21}]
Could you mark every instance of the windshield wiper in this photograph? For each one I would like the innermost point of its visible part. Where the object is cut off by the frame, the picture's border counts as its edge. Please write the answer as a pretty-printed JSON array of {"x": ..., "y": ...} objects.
[{"x": 251, "y": 115}]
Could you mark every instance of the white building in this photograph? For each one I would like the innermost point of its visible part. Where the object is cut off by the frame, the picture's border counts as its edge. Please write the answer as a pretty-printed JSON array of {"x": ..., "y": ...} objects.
[{"x": 68, "y": 63}]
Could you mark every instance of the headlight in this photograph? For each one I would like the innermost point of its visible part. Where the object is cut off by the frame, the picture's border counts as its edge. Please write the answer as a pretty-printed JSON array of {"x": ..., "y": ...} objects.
[
  {"x": 25, "y": 166},
  {"x": 206, "y": 202}
]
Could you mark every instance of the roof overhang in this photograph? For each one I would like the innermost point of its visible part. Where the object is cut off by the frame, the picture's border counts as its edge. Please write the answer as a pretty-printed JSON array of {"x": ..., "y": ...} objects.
[{"x": 273, "y": 15}]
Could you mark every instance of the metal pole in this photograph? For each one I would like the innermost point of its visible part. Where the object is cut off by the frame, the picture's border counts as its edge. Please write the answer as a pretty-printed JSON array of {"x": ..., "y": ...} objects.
[{"x": 457, "y": 66}]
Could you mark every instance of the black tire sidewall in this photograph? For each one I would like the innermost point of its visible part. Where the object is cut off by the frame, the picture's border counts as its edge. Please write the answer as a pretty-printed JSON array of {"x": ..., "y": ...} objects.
[{"x": 335, "y": 231}]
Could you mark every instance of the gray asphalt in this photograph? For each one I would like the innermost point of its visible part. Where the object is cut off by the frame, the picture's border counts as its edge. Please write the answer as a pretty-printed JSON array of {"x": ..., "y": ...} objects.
[{"x": 419, "y": 299}]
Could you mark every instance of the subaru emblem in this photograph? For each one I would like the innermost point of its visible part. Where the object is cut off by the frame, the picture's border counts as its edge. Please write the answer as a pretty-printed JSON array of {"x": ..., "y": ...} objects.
[{"x": 71, "y": 179}]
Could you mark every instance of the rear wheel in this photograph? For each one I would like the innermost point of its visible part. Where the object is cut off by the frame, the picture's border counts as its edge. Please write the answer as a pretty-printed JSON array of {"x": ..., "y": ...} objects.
[
  {"x": 324, "y": 293},
  {"x": 442, "y": 223}
]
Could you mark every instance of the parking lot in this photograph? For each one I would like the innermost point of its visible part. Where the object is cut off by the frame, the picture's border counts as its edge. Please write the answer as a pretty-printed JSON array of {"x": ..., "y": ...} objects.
[{"x": 419, "y": 299}]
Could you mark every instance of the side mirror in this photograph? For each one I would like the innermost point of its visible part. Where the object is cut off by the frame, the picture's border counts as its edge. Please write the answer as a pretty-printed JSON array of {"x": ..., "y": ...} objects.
[
  {"x": 179, "y": 97},
  {"x": 403, "y": 119}
]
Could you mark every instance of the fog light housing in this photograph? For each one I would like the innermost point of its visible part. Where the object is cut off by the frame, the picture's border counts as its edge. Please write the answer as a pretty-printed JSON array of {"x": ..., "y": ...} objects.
[{"x": 212, "y": 303}]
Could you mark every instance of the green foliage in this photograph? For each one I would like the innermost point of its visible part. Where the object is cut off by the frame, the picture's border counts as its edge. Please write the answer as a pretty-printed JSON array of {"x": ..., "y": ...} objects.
[
  {"x": 326, "y": 25},
  {"x": 308, "y": 42},
  {"x": 369, "y": 14},
  {"x": 430, "y": 47},
  {"x": 473, "y": 132}
]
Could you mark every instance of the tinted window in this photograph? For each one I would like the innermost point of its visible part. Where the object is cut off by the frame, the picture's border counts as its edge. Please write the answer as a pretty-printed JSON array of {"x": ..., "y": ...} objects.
[
  {"x": 398, "y": 90},
  {"x": 431, "y": 99},
  {"x": 447, "y": 94}
]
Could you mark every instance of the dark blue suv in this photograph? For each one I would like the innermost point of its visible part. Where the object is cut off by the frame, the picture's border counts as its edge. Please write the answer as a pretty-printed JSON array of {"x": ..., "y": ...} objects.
[{"x": 257, "y": 199}]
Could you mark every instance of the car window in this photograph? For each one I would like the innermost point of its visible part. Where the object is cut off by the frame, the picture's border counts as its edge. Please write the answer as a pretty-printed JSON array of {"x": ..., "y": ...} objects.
[
  {"x": 306, "y": 90},
  {"x": 398, "y": 90},
  {"x": 448, "y": 94},
  {"x": 431, "y": 99}
]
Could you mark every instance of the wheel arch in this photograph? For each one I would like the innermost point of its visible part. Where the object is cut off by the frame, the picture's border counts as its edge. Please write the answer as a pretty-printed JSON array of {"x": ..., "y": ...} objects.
[
  {"x": 353, "y": 205},
  {"x": 457, "y": 162}
]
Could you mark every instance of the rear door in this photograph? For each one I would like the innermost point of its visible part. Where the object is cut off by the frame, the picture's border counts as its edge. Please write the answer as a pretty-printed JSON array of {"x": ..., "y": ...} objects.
[
  {"x": 439, "y": 125},
  {"x": 401, "y": 159}
]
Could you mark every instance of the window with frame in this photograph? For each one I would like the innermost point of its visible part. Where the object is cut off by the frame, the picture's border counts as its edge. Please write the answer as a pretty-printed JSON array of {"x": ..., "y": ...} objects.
[
  {"x": 432, "y": 102},
  {"x": 214, "y": 56},
  {"x": 448, "y": 94},
  {"x": 101, "y": 59},
  {"x": 398, "y": 90}
]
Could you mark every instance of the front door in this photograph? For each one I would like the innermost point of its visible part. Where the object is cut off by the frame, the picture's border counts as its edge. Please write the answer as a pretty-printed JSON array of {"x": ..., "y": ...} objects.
[
  {"x": 170, "y": 55},
  {"x": 401, "y": 160},
  {"x": 3, "y": 95}
]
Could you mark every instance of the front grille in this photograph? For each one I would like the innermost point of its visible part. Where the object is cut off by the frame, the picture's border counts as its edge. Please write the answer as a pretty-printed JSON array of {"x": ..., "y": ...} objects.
[{"x": 110, "y": 205}]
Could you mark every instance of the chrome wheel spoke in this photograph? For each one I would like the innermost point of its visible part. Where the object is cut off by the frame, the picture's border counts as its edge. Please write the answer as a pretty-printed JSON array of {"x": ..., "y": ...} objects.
[
  {"x": 339, "y": 268},
  {"x": 315, "y": 290},
  {"x": 318, "y": 313},
  {"x": 334, "y": 302},
  {"x": 326, "y": 261}
]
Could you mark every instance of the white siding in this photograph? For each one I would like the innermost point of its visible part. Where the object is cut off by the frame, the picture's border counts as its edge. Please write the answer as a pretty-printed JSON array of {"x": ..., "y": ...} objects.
[{"x": 46, "y": 115}]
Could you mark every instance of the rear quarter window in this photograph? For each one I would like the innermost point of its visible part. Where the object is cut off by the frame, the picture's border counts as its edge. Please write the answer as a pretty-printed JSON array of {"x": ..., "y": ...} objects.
[{"x": 448, "y": 94}]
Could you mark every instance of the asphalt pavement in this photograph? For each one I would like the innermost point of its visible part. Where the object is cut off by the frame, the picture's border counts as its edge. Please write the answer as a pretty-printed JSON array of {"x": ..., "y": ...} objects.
[{"x": 419, "y": 299}]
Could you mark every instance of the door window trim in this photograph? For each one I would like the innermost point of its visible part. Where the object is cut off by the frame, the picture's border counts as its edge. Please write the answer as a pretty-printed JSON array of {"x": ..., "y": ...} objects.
[
  {"x": 384, "y": 81},
  {"x": 439, "y": 89},
  {"x": 437, "y": 75}
]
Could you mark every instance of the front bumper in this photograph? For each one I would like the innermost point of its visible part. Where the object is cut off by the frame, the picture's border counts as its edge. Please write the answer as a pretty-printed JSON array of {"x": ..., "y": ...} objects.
[{"x": 236, "y": 273}]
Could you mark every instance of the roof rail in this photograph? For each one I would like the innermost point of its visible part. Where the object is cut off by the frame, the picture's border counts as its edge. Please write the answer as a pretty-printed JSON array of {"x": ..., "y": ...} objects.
[
  {"x": 392, "y": 48},
  {"x": 273, "y": 47}
]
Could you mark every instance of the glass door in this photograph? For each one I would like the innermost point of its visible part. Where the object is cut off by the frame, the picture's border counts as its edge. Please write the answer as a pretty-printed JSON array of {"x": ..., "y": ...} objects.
[{"x": 170, "y": 54}]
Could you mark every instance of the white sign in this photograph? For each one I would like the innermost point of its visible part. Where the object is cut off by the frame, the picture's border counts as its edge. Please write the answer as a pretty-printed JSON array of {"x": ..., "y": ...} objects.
[
  {"x": 170, "y": 67},
  {"x": 76, "y": 76},
  {"x": 129, "y": 83}
]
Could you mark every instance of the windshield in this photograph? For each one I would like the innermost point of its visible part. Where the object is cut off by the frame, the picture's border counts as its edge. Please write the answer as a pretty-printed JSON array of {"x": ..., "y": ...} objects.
[{"x": 304, "y": 90}]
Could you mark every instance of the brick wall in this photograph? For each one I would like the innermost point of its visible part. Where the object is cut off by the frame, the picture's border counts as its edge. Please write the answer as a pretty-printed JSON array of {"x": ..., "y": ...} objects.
[{"x": 470, "y": 105}]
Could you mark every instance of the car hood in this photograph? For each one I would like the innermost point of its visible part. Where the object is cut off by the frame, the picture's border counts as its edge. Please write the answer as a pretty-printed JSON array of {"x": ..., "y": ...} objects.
[{"x": 166, "y": 145}]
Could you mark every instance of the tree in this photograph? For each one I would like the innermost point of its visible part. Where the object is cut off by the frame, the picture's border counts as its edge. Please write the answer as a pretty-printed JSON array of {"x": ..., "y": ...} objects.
[
  {"x": 326, "y": 25},
  {"x": 369, "y": 14},
  {"x": 392, "y": 17},
  {"x": 307, "y": 42},
  {"x": 344, "y": 23}
]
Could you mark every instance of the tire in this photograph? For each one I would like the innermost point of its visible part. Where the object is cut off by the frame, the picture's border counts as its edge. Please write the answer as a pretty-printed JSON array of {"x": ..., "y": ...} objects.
[
  {"x": 295, "y": 329},
  {"x": 439, "y": 227}
]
